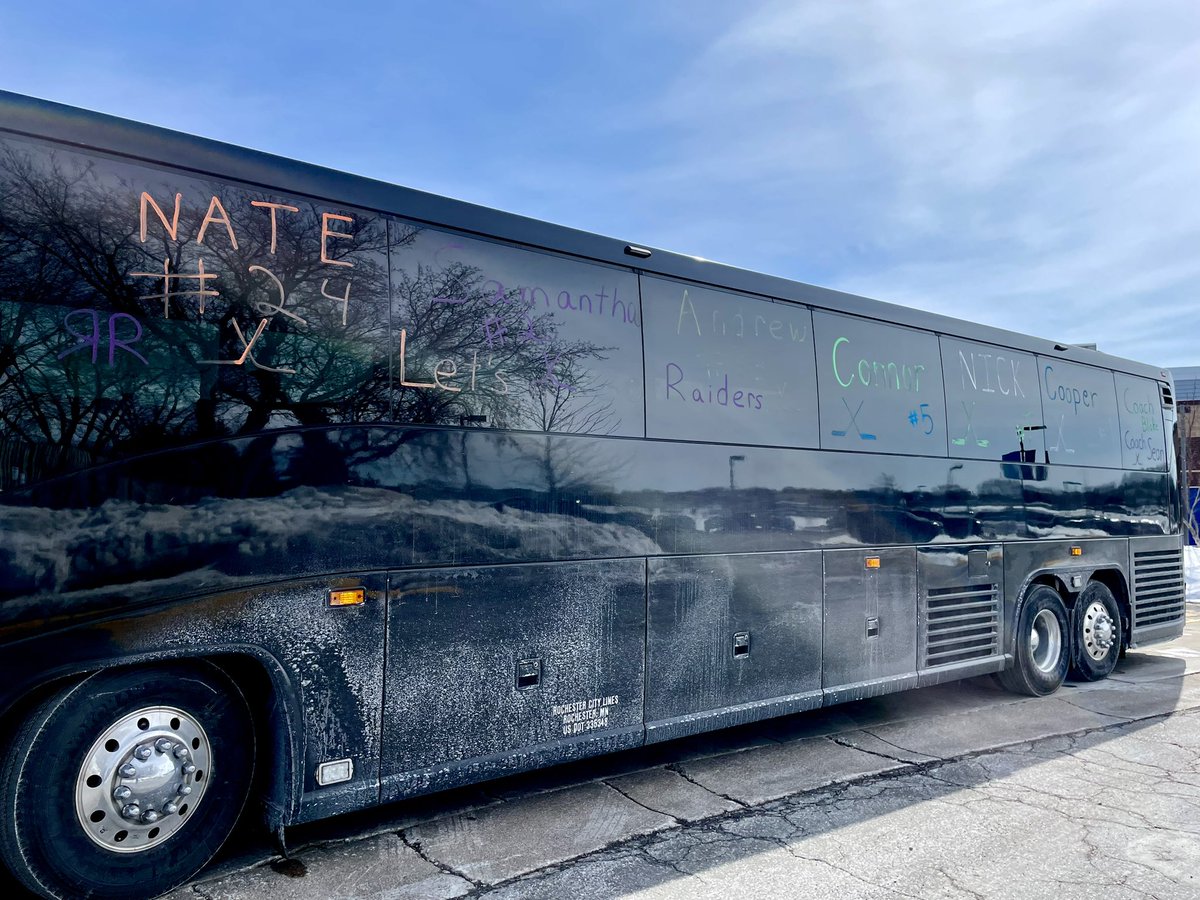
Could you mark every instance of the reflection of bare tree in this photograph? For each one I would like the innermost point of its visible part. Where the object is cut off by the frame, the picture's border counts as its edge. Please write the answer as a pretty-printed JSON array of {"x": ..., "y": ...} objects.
[
  {"x": 114, "y": 343},
  {"x": 572, "y": 400},
  {"x": 94, "y": 356},
  {"x": 513, "y": 367},
  {"x": 58, "y": 243}
]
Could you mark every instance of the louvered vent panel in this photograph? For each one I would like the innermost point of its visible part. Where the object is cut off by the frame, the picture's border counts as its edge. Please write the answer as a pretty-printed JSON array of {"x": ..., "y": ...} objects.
[
  {"x": 1158, "y": 587},
  {"x": 1167, "y": 400},
  {"x": 962, "y": 623}
]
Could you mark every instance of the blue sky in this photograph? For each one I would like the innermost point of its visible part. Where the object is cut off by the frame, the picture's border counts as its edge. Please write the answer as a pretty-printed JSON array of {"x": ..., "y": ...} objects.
[{"x": 1031, "y": 165}]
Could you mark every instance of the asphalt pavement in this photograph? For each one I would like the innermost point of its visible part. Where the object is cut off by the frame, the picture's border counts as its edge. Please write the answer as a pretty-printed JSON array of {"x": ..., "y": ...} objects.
[{"x": 957, "y": 791}]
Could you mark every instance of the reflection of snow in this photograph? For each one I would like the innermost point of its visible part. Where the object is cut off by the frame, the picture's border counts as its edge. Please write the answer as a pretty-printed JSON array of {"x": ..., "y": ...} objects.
[
  {"x": 1191, "y": 573},
  {"x": 1062, "y": 532},
  {"x": 304, "y": 531},
  {"x": 802, "y": 522}
]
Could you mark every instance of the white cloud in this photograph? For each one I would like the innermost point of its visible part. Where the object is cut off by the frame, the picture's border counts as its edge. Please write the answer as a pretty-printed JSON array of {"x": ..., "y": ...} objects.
[{"x": 1033, "y": 165}]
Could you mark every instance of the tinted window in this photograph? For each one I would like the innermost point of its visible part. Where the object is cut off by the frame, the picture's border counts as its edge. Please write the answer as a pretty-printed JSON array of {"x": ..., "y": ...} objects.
[
  {"x": 1080, "y": 407},
  {"x": 140, "y": 308},
  {"x": 727, "y": 368},
  {"x": 495, "y": 336},
  {"x": 991, "y": 401},
  {"x": 1139, "y": 405},
  {"x": 880, "y": 387}
]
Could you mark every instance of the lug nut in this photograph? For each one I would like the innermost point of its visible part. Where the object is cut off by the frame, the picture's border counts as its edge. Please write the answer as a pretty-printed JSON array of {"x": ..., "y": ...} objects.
[
  {"x": 163, "y": 745},
  {"x": 131, "y": 811},
  {"x": 184, "y": 790},
  {"x": 170, "y": 807},
  {"x": 122, "y": 793},
  {"x": 150, "y": 817},
  {"x": 143, "y": 752},
  {"x": 129, "y": 770},
  {"x": 181, "y": 752},
  {"x": 188, "y": 769}
]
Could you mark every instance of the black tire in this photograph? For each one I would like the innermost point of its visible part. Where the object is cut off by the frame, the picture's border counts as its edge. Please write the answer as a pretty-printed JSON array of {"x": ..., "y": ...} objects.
[
  {"x": 66, "y": 827},
  {"x": 1042, "y": 645},
  {"x": 1097, "y": 636}
]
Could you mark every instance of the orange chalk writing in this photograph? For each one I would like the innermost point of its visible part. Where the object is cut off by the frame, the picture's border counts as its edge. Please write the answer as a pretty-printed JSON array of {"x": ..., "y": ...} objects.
[
  {"x": 201, "y": 278},
  {"x": 266, "y": 308},
  {"x": 248, "y": 350},
  {"x": 327, "y": 233},
  {"x": 274, "y": 225},
  {"x": 214, "y": 206},
  {"x": 403, "y": 380},
  {"x": 172, "y": 227},
  {"x": 344, "y": 299}
]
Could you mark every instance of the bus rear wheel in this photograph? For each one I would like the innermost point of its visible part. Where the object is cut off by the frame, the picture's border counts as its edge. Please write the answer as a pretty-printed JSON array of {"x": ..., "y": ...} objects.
[
  {"x": 126, "y": 783},
  {"x": 1097, "y": 639},
  {"x": 1042, "y": 645}
]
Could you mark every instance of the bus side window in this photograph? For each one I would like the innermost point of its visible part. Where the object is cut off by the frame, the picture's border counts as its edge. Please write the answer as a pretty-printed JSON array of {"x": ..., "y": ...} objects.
[
  {"x": 489, "y": 335},
  {"x": 727, "y": 367},
  {"x": 1143, "y": 438},
  {"x": 880, "y": 387},
  {"x": 992, "y": 406},
  {"x": 1080, "y": 406}
]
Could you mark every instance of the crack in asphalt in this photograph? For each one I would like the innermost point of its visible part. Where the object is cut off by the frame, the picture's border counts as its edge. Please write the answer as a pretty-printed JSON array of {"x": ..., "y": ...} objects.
[
  {"x": 444, "y": 868},
  {"x": 661, "y": 812},
  {"x": 675, "y": 767},
  {"x": 845, "y": 871},
  {"x": 851, "y": 746}
]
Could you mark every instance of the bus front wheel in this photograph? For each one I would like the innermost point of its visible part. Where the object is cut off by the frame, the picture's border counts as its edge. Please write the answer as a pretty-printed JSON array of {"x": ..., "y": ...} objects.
[
  {"x": 1097, "y": 640},
  {"x": 1042, "y": 645},
  {"x": 126, "y": 783}
]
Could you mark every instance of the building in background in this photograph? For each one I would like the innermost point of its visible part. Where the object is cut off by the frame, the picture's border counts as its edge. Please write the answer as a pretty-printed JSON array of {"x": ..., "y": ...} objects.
[{"x": 1187, "y": 404}]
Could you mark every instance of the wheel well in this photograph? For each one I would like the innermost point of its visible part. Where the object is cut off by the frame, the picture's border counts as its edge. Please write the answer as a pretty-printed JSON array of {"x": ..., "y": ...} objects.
[
  {"x": 273, "y": 771},
  {"x": 1050, "y": 580},
  {"x": 274, "y": 774}
]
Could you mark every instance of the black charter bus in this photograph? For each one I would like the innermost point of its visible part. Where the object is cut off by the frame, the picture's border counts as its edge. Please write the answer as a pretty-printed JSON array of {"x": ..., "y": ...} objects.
[{"x": 317, "y": 493}]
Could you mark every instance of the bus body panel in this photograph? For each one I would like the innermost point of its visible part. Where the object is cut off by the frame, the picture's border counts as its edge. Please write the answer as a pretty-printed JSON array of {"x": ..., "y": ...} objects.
[{"x": 731, "y": 638}]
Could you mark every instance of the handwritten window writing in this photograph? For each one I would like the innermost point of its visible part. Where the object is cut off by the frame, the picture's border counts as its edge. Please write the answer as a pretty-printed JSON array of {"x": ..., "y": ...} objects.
[
  {"x": 992, "y": 406},
  {"x": 181, "y": 307},
  {"x": 1079, "y": 405},
  {"x": 203, "y": 281},
  {"x": 511, "y": 338},
  {"x": 277, "y": 278},
  {"x": 880, "y": 387},
  {"x": 1143, "y": 439},
  {"x": 728, "y": 368},
  {"x": 93, "y": 337}
]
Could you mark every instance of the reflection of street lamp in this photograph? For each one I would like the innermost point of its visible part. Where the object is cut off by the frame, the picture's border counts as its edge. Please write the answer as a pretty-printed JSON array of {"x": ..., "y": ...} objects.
[
  {"x": 949, "y": 484},
  {"x": 732, "y": 460},
  {"x": 462, "y": 445}
]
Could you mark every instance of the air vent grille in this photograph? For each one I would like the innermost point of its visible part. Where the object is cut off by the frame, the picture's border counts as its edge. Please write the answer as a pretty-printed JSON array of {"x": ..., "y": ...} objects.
[
  {"x": 1158, "y": 587},
  {"x": 961, "y": 623},
  {"x": 1168, "y": 401}
]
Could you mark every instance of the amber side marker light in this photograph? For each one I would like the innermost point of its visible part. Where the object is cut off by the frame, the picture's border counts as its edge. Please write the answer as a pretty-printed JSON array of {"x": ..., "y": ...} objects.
[
  {"x": 347, "y": 597},
  {"x": 1077, "y": 551},
  {"x": 872, "y": 562}
]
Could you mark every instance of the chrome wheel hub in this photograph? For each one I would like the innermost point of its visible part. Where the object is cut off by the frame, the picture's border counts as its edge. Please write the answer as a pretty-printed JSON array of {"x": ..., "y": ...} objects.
[
  {"x": 1099, "y": 631},
  {"x": 1045, "y": 642},
  {"x": 141, "y": 778}
]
